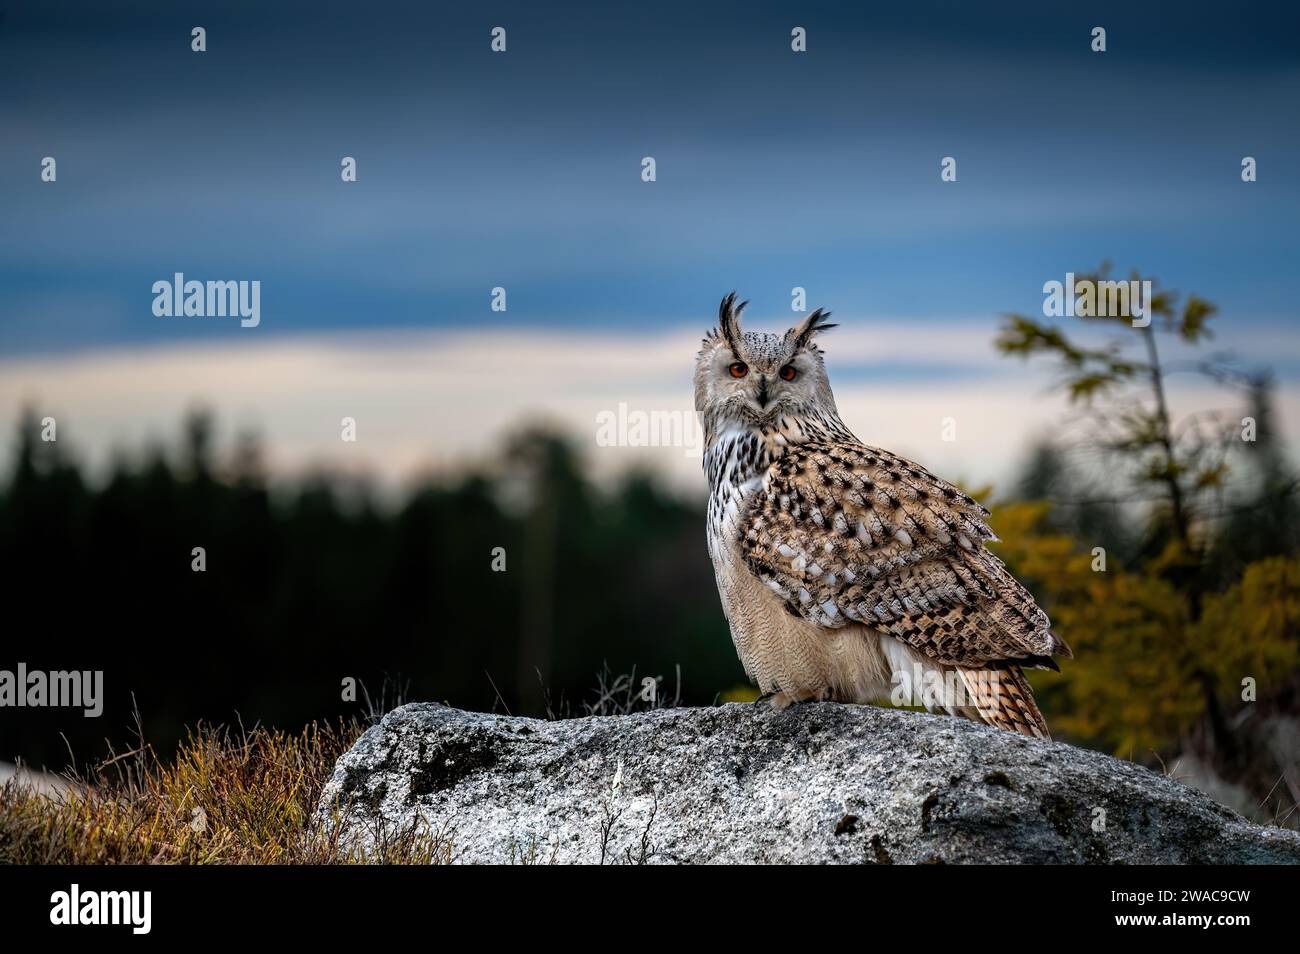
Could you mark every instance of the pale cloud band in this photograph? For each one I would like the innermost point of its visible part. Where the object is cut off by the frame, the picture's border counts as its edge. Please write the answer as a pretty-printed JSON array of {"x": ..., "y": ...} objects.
[{"x": 437, "y": 400}]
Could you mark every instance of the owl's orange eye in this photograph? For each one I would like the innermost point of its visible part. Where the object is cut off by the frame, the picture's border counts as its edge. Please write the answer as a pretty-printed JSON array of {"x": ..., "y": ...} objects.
[
  {"x": 739, "y": 369},
  {"x": 788, "y": 373}
]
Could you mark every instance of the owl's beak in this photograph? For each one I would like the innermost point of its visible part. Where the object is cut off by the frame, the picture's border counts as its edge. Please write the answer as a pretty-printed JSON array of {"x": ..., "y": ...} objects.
[{"x": 761, "y": 396}]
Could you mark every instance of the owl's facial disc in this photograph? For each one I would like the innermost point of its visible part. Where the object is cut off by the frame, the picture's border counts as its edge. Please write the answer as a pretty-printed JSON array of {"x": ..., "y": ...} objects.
[
  {"x": 752, "y": 379},
  {"x": 760, "y": 384}
]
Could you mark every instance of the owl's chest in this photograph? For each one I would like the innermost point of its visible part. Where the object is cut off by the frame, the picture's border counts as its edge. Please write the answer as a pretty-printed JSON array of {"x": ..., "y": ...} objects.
[
  {"x": 738, "y": 469},
  {"x": 777, "y": 648},
  {"x": 757, "y": 619}
]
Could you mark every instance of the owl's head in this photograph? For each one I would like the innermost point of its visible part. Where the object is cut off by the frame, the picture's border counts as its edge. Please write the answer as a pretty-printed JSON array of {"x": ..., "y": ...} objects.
[{"x": 750, "y": 379}]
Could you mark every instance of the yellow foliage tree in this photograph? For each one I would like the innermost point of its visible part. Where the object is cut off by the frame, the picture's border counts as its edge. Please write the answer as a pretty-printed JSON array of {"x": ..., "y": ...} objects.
[{"x": 1169, "y": 649}]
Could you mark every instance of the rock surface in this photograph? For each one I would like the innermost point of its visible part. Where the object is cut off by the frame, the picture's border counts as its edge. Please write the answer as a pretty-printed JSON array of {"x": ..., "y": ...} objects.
[{"x": 739, "y": 783}]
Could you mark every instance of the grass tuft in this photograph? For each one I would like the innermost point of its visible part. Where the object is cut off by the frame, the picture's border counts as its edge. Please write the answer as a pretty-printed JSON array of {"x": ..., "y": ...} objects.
[{"x": 228, "y": 797}]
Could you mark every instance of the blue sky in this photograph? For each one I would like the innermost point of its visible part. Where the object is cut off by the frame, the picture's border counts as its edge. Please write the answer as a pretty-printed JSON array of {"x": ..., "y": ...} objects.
[{"x": 522, "y": 169}]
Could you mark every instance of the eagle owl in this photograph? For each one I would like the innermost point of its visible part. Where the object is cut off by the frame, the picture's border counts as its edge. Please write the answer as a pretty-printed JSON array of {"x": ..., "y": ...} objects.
[{"x": 846, "y": 572}]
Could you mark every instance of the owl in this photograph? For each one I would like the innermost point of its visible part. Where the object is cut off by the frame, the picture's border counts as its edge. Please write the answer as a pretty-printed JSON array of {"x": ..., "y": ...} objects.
[{"x": 848, "y": 573}]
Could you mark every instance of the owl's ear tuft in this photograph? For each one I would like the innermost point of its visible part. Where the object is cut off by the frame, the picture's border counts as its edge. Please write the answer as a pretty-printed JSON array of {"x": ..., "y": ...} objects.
[
  {"x": 803, "y": 333},
  {"x": 729, "y": 320},
  {"x": 712, "y": 339}
]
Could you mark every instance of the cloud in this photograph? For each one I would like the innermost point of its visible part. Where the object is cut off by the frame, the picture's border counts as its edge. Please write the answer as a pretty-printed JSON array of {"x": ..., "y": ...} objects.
[{"x": 438, "y": 400}]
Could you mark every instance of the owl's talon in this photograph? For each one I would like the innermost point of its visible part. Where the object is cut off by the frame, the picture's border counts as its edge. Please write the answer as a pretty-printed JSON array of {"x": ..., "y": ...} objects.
[{"x": 784, "y": 699}]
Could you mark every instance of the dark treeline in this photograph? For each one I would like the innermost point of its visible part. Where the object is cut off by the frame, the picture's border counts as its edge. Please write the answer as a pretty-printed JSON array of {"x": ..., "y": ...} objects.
[{"x": 307, "y": 588}]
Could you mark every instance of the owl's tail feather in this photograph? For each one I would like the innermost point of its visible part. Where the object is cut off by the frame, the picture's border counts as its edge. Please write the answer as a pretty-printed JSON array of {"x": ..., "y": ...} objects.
[{"x": 1002, "y": 698}]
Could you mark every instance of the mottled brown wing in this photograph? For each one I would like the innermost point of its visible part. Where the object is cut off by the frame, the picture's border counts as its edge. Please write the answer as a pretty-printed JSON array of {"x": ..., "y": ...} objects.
[{"x": 847, "y": 533}]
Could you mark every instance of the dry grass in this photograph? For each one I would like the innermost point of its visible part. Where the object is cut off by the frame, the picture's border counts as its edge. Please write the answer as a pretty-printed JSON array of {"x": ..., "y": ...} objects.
[{"x": 228, "y": 797}]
